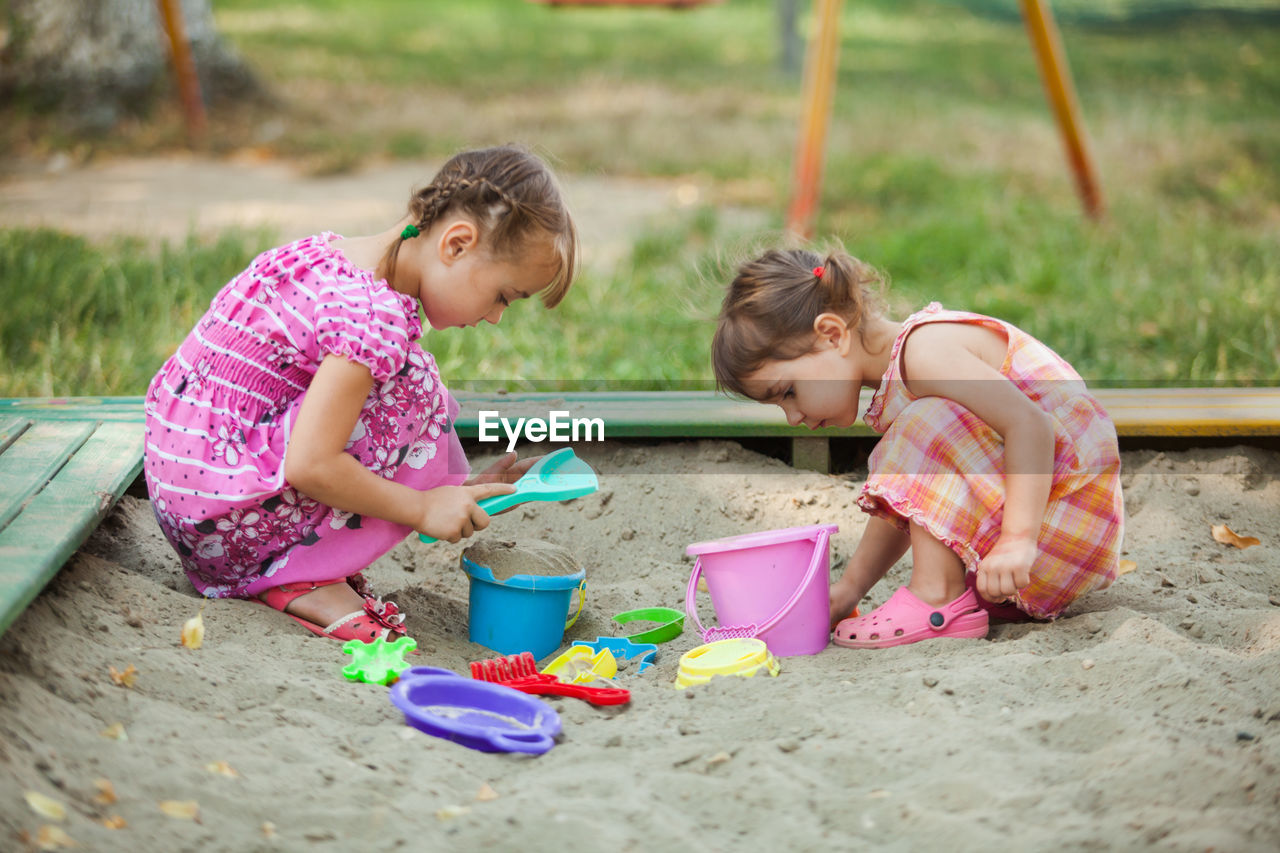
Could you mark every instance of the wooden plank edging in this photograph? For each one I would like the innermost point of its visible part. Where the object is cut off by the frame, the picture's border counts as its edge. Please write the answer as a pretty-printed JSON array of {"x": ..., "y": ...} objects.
[
  {"x": 58, "y": 518},
  {"x": 1174, "y": 412}
]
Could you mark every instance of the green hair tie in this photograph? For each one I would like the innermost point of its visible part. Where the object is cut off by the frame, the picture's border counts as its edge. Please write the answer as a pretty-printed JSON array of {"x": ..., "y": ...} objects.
[{"x": 409, "y": 232}]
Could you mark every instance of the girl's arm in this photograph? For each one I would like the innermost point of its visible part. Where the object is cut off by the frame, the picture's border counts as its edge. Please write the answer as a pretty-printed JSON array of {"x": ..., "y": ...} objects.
[
  {"x": 961, "y": 362},
  {"x": 316, "y": 463}
]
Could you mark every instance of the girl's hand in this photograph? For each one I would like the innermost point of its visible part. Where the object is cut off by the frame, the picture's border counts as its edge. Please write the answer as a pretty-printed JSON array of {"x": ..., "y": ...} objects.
[
  {"x": 1006, "y": 569},
  {"x": 505, "y": 470},
  {"x": 882, "y": 545},
  {"x": 450, "y": 513},
  {"x": 843, "y": 599}
]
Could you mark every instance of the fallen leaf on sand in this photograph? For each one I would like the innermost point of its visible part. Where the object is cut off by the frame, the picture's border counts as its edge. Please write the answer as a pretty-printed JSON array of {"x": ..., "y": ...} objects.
[
  {"x": 47, "y": 807},
  {"x": 180, "y": 809},
  {"x": 126, "y": 678},
  {"x": 106, "y": 792},
  {"x": 115, "y": 731},
  {"x": 1126, "y": 566},
  {"x": 114, "y": 822},
  {"x": 222, "y": 768},
  {"x": 1227, "y": 536},
  {"x": 193, "y": 631},
  {"x": 51, "y": 838},
  {"x": 486, "y": 793}
]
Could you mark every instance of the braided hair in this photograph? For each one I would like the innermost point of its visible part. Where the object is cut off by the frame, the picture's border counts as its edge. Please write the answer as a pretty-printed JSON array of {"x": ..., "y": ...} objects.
[{"x": 514, "y": 200}]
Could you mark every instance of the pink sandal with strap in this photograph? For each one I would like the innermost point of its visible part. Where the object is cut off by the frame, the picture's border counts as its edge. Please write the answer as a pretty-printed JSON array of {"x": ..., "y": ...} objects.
[
  {"x": 904, "y": 619},
  {"x": 376, "y": 619}
]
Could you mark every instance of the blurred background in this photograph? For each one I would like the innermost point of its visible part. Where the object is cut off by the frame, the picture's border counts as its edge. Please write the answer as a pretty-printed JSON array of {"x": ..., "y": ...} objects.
[{"x": 675, "y": 133}]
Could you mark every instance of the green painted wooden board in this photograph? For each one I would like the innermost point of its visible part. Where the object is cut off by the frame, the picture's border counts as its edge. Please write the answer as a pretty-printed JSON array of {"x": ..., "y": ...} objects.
[
  {"x": 639, "y": 414},
  {"x": 59, "y": 515},
  {"x": 33, "y": 458},
  {"x": 1182, "y": 412},
  {"x": 10, "y": 429},
  {"x": 1175, "y": 412},
  {"x": 72, "y": 408}
]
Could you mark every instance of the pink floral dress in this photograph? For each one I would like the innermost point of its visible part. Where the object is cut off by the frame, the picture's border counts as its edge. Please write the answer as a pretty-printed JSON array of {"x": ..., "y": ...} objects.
[
  {"x": 941, "y": 467},
  {"x": 220, "y": 411}
]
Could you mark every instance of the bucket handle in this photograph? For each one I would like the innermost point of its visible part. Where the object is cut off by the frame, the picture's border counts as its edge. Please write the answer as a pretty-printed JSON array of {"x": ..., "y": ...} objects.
[
  {"x": 582, "y": 599},
  {"x": 691, "y": 610},
  {"x": 752, "y": 630}
]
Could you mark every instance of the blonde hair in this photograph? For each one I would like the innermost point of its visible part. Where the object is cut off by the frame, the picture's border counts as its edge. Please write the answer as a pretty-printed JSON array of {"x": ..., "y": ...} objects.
[
  {"x": 769, "y": 310},
  {"x": 512, "y": 197}
]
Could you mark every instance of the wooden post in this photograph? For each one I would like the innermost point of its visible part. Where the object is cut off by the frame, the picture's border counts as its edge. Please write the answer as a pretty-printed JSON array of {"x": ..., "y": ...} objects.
[
  {"x": 1047, "y": 46},
  {"x": 811, "y": 454},
  {"x": 819, "y": 90},
  {"x": 184, "y": 68}
]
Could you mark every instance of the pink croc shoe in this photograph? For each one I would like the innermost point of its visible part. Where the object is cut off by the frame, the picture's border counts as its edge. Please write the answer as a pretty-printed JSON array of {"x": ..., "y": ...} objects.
[{"x": 904, "y": 619}]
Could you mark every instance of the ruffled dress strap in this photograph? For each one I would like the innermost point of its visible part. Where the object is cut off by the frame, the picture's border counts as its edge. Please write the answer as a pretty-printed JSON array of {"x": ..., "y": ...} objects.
[{"x": 892, "y": 394}]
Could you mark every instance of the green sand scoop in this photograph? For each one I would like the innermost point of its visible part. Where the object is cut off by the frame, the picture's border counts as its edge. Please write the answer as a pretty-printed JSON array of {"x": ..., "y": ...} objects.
[{"x": 558, "y": 476}]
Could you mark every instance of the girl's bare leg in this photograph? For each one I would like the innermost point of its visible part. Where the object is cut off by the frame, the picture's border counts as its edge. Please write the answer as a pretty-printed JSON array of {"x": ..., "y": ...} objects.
[
  {"x": 881, "y": 546},
  {"x": 937, "y": 572}
]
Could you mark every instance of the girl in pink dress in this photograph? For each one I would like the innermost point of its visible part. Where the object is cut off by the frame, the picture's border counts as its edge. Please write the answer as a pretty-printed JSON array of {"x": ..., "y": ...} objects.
[
  {"x": 300, "y": 431},
  {"x": 997, "y": 468}
]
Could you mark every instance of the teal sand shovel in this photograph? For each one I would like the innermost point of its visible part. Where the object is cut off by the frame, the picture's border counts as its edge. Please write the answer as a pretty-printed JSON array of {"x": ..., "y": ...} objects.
[{"x": 558, "y": 476}]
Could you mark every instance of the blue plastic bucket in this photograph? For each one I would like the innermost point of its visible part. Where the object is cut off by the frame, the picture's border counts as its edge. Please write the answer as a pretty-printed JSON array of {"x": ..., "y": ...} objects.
[{"x": 522, "y": 613}]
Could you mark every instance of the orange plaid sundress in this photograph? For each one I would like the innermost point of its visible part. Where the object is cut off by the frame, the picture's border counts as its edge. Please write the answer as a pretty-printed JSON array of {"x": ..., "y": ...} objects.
[{"x": 940, "y": 466}]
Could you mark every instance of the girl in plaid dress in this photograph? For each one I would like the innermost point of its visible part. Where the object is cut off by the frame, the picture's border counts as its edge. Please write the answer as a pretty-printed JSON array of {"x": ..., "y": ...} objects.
[
  {"x": 300, "y": 431},
  {"x": 997, "y": 468}
]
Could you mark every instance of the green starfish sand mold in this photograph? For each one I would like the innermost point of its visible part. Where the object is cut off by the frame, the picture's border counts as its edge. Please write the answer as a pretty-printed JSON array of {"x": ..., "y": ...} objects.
[{"x": 378, "y": 662}]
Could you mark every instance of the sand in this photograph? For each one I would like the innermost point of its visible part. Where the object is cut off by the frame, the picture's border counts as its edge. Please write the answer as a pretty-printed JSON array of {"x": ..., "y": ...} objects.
[
  {"x": 1148, "y": 717},
  {"x": 506, "y": 558}
]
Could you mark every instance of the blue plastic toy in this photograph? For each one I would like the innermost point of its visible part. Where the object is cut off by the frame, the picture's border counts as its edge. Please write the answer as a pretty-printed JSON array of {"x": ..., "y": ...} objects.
[
  {"x": 521, "y": 613},
  {"x": 624, "y": 649}
]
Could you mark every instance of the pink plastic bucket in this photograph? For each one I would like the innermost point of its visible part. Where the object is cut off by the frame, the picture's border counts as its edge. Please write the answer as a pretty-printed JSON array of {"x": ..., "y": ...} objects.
[{"x": 774, "y": 585}]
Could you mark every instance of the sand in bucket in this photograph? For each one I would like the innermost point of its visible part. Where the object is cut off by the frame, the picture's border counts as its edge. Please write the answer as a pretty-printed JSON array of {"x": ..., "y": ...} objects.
[
  {"x": 505, "y": 558},
  {"x": 520, "y": 595},
  {"x": 773, "y": 585}
]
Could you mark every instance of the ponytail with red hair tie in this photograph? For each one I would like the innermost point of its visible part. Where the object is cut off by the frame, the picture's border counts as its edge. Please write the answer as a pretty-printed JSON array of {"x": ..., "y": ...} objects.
[{"x": 818, "y": 271}]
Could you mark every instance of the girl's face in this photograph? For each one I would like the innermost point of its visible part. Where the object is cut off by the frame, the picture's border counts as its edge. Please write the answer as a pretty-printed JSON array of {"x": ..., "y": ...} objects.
[
  {"x": 460, "y": 283},
  {"x": 817, "y": 389}
]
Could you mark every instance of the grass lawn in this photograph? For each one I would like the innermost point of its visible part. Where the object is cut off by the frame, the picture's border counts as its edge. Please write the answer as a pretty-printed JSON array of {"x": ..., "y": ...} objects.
[{"x": 944, "y": 169}]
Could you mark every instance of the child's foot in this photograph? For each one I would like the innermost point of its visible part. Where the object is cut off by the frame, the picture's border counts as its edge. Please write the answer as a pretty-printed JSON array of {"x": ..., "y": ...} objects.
[
  {"x": 334, "y": 609},
  {"x": 324, "y": 604},
  {"x": 905, "y": 618}
]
